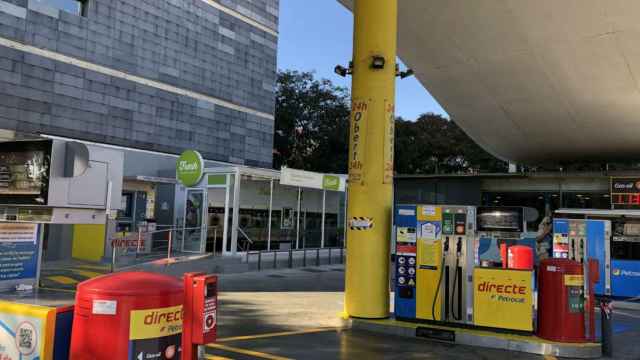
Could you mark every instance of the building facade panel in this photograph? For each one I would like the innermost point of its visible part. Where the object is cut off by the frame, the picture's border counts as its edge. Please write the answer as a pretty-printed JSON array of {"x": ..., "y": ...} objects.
[{"x": 157, "y": 75}]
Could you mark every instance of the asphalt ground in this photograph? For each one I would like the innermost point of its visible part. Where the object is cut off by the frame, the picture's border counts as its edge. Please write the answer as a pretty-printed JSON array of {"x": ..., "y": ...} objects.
[{"x": 296, "y": 314}]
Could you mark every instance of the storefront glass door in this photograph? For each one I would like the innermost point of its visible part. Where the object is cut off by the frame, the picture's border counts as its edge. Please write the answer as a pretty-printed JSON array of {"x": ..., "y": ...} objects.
[{"x": 194, "y": 230}]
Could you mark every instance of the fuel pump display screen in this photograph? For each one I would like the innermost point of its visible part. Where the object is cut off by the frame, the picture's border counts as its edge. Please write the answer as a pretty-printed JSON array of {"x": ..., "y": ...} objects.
[
  {"x": 211, "y": 290},
  {"x": 461, "y": 224},
  {"x": 500, "y": 219}
]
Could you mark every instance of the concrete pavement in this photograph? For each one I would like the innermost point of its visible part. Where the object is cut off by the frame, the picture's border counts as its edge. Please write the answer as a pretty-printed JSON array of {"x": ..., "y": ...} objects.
[{"x": 295, "y": 314}]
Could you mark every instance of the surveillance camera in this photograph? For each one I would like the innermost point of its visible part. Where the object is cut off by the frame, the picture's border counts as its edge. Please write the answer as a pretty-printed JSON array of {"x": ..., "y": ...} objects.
[
  {"x": 406, "y": 73},
  {"x": 341, "y": 70},
  {"x": 377, "y": 62}
]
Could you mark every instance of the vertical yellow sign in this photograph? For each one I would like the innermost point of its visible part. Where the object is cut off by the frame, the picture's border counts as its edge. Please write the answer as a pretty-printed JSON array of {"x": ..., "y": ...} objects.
[
  {"x": 389, "y": 141},
  {"x": 358, "y": 138}
]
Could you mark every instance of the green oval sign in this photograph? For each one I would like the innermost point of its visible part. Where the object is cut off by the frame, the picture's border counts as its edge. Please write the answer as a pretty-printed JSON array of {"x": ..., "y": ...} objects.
[{"x": 189, "y": 168}]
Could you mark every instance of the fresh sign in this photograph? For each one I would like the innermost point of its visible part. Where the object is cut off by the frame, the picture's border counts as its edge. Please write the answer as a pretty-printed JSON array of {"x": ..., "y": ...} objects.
[
  {"x": 190, "y": 168},
  {"x": 331, "y": 182},
  {"x": 312, "y": 180}
]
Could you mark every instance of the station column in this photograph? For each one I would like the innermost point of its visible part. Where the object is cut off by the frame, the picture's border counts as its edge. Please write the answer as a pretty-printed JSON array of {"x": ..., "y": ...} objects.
[{"x": 371, "y": 147}]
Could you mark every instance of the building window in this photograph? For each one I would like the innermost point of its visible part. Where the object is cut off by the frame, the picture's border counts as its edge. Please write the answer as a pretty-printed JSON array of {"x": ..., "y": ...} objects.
[{"x": 76, "y": 7}]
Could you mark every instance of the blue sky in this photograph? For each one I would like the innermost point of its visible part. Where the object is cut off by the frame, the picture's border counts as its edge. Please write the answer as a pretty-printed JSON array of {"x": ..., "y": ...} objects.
[{"x": 316, "y": 35}]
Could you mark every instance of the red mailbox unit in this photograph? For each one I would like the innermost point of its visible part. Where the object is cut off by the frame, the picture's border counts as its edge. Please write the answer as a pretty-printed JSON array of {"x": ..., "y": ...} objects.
[
  {"x": 200, "y": 312},
  {"x": 563, "y": 312},
  {"x": 130, "y": 315}
]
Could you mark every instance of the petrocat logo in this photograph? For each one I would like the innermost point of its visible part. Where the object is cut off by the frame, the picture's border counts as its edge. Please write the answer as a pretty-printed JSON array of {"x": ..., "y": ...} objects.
[
  {"x": 618, "y": 272},
  {"x": 505, "y": 293}
]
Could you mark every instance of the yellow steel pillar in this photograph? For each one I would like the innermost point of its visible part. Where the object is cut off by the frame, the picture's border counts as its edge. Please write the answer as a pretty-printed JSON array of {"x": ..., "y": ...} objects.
[{"x": 371, "y": 158}]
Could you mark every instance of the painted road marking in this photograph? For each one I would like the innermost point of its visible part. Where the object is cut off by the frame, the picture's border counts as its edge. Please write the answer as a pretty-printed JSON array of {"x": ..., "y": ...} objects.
[
  {"x": 550, "y": 357},
  {"x": 54, "y": 289},
  {"x": 87, "y": 273},
  {"x": 215, "y": 357},
  {"x": 95, "y": 267},
  {"x": 283, "y": 333},
  {"x": 257, "y": 354},
  {"x": 65, "y": 280}
]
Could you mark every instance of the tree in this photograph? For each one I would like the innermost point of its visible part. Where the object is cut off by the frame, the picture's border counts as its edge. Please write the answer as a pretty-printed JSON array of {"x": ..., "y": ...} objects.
[
  {"x": 436, "y": 145},
  {"x": 311, "y": 123},
  {"x": 312, "y": 133}
]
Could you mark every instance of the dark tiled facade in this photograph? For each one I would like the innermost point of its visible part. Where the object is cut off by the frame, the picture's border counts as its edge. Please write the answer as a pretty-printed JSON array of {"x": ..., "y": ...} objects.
[{"x": 169, "y": 74}]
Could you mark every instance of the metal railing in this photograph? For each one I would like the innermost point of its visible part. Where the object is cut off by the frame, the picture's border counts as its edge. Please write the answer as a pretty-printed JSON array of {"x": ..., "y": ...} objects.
[
  {"x": 292, "y": 260},
  {"x": 248, "y": 242},
  {"x": 122, "y": 250}
]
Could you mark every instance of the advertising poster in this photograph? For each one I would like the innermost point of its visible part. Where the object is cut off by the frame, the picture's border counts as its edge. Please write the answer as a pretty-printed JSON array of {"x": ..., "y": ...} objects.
[
  {"x": 503, "y": 298},
  {"x": 357, "y": 140},
  {"x": 406, "y": 234},
  {"x": 389, "y": 142},
  {"x": 155, "y": 334},
  {"x": 23, "y": 332},
  {"x": 18, "y": 253},
  {"x": 430, "y": 230}
]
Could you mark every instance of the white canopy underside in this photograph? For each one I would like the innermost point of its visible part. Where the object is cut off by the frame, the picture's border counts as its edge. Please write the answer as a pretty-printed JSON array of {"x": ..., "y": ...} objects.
[{"x": 531, "y": 80}]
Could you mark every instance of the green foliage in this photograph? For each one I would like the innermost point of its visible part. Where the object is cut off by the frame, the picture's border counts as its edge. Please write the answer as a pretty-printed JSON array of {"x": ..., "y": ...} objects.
[
  {"x": 436, "y": 145},
  {"x": 312, "y": 126}
]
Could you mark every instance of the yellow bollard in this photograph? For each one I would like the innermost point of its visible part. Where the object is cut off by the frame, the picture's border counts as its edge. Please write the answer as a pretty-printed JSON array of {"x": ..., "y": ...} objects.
[{"x": 371, "y": 158}]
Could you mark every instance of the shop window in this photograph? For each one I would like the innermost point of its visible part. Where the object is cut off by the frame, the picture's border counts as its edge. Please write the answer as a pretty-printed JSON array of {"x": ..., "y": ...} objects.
[
  {"x": 541, "y": 201},
  {"x": 76, "y": 7},
  {"x": 126, "y": 206},
  {"x": 583, "y": 200}
]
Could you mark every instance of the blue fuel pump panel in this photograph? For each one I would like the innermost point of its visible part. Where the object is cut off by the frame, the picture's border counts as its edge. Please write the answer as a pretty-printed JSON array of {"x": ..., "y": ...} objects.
[
  {"x": 405, "y": 225},
  {"x": 598, "y": 232},
  {"x": 568, "y": 237},
  {"x": 561, "y": 238}
]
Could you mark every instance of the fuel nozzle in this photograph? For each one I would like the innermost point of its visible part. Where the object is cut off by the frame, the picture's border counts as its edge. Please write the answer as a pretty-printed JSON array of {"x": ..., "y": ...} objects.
[
  {"x": 446, "y": 245},
  {"x": 459, "y": 246}
]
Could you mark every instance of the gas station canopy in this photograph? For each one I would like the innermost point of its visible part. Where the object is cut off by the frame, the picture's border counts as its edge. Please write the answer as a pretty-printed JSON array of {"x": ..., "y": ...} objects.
[{"x": 531, "y": 81}]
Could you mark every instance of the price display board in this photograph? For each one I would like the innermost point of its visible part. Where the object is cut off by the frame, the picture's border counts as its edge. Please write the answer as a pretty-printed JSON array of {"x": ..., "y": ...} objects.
[{"x": 625, "y": 192}]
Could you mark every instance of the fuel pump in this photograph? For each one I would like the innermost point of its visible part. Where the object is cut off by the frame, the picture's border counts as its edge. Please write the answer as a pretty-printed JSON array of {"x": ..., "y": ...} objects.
[
  {"x": 445, "y": 252},
  {"x": 577, "y": 235},
  {"x": 438, "y": 241},
  {"x": 457, "y": 284},
  {"x": 457, "y": 229}
]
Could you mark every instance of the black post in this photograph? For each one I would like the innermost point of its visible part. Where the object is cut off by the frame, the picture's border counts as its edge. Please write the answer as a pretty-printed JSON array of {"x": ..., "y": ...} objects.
[
  {"x": 259, "y": 260},
  {"x": 275, "y": 259},
  {"x": 290, "y": 258},
  {"x": 606, "y": 312}
]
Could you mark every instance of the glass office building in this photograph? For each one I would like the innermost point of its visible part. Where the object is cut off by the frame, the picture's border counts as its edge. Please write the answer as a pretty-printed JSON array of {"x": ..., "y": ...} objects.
[
  {"x": 148, "y": 74},
  {"x": 150, "y": 77}
]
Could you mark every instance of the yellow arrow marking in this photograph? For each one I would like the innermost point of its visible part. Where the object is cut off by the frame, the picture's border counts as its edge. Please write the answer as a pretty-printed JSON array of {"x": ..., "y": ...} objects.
[
  {"x": 87, "y": 273},
  {"x": 63, "y": 279},
  {"x": 275, "y": 334},
  {"x": 257, "y": 354}
]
